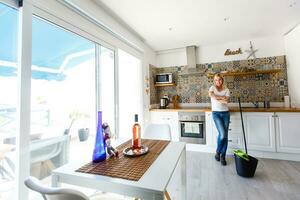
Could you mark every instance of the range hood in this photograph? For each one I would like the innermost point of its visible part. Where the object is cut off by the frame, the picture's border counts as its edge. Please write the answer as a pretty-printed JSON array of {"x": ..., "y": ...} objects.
[{"x": 191, "y": 67}]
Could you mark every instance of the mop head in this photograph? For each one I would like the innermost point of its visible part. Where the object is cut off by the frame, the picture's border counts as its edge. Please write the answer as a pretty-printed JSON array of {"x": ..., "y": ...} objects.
[{"x": 241, "y": 154}]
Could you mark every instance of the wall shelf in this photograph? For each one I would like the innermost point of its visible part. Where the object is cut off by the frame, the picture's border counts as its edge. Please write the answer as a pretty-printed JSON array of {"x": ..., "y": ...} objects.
[
  {"x": 270, "y": 71},
  {"x": 164, "y": 84}
]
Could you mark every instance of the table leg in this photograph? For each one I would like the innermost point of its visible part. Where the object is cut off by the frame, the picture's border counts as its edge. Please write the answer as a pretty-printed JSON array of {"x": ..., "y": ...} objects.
[{"x": 55, "y": 181}]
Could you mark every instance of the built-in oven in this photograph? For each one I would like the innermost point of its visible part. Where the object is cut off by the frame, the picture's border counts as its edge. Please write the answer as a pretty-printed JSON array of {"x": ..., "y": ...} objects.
[{"x": 192, "y": 128}]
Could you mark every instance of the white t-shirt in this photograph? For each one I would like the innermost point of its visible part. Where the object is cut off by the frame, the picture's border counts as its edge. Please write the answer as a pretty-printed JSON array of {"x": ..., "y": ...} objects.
[{"x": 215, "y": 104}]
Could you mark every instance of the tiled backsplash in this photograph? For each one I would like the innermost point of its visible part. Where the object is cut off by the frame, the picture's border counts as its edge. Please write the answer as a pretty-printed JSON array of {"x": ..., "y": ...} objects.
[{"x": 256, "y": 87}]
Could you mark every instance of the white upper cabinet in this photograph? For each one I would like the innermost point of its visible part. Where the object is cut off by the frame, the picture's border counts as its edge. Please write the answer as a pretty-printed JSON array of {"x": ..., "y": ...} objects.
[
  {"x": 260, "y": 131},
  {"x": 288, "y": 132}
]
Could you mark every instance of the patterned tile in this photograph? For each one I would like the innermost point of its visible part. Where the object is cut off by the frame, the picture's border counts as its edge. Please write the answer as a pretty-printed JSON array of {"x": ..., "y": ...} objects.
[{"x": 194, "y": 88}]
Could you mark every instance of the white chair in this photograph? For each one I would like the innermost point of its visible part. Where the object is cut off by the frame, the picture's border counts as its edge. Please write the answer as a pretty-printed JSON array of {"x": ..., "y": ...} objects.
[
  {"x": 158, "y": 132},
  {"x": 51, "y": 193}
]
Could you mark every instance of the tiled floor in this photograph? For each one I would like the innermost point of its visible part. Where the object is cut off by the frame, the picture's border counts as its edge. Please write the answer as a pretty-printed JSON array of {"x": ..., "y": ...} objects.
[{"x": 273, "y": 180}]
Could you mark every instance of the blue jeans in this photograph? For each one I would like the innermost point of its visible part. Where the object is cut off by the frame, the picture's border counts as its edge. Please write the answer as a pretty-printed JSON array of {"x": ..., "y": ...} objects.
[{"x": 221, "y": 120}]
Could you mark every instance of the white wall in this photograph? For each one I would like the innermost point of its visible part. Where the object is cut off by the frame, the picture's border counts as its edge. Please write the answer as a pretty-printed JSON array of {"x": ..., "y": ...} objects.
[
  {"x": 292, "y": 45},
  {"x": 149, "y": 57},
  {"x": 168, "y": 58},
  {"x": 267, "y": 46}
]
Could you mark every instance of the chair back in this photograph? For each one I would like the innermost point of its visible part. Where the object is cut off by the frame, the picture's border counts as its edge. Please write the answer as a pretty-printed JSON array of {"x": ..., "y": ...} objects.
[
  {"x": 51, "y": 193},
  {"x": 158, "y": 132}
]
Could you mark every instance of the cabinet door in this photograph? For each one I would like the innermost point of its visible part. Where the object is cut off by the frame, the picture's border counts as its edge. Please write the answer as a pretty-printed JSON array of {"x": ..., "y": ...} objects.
[
  {"x": 260, "y": 132},
  {"x": 235, "y": 139},
  {"x": 209, "y": 129},
  {"x": 173, "y": 121},
  {"x": 288, "y": 132},
  {"x": 170, "y": 118}
]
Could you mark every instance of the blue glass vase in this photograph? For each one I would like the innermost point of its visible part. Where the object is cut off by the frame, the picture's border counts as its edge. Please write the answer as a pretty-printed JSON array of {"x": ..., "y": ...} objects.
[{"x": 99, "y": 153}]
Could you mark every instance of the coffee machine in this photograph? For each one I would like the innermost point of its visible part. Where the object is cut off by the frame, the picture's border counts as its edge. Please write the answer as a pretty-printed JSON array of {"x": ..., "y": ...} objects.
[{"x": 164, "y": 102}]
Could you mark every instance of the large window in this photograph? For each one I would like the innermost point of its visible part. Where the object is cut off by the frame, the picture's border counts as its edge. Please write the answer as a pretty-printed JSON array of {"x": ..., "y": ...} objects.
[
  {"x": 107, "y": 87},
  {"x": 63, "y": 97},
  {"x": 66, "y": 85},
  {"x": 130, "y": 88},
  {"x": 8, "y": 98}
]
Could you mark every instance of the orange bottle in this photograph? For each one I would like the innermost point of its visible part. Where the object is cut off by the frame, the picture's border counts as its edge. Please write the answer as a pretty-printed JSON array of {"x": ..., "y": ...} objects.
[{"x": 136, "y": 130}]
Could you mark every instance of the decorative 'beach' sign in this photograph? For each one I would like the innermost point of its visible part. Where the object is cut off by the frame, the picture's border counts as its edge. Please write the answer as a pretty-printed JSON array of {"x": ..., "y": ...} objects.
[{"x": 228, "y": 52}]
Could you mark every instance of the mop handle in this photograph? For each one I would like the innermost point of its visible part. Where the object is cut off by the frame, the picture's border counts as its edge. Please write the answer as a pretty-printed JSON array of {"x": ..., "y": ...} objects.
[{"x": 243, "y": 125}]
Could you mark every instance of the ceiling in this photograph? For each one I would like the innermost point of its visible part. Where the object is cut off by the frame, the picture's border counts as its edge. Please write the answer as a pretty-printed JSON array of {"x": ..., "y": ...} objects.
[{"x": 169, "y": 24}]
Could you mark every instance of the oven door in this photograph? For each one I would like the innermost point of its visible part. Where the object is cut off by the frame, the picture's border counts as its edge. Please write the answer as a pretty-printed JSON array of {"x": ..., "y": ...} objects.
[{"x": 192, "y": 131}]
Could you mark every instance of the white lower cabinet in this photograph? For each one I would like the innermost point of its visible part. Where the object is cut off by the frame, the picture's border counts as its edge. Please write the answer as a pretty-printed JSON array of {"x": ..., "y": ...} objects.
[
  {"x": 260, "y": 131},
  {"x": 235, "y": 132},
  {"x": 170, "y": 118},
  {"x": 209, "y": 129},
  {"x": 288, "y": 132},
  {"x": 235, "y": 135},
  {"x": 265, "y": 131}
]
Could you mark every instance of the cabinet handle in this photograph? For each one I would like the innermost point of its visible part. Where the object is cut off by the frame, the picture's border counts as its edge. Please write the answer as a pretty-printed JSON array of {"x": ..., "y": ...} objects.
[
  {"x": 229, "y": 140},
  {"x": 229, "y": 129}
]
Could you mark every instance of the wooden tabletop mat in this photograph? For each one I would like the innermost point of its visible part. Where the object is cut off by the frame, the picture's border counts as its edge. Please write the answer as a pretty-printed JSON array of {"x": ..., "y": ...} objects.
[{"x": 130, "y": 168}]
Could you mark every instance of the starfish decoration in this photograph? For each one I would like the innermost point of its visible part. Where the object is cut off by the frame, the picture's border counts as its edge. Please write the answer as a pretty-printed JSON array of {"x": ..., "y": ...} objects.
[{"x": 251, "y": 51}]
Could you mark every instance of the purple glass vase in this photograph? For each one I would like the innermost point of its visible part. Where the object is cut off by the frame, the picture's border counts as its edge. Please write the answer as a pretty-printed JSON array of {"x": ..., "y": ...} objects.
[{"x": 99, "y": 153}]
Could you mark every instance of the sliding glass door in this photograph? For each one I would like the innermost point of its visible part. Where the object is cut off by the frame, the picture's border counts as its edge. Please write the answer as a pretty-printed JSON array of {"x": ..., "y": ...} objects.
[
  {"x": 8, "y": 99},
  {"x": 107, "y": 87},
  {"x": 129, "y": 93},
  {"x": 63, "y": 97},
  {"x": 71, "y": 79}
]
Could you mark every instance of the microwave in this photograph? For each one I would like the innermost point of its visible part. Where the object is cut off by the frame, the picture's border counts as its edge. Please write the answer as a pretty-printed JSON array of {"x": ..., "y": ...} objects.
[{"x": 164, "y": 78}]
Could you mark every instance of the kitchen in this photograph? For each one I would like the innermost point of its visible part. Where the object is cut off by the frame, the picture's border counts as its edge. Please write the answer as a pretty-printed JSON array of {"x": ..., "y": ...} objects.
[
  {"x": 160, "y": 58},
  {"x": 265, "y": 79}
]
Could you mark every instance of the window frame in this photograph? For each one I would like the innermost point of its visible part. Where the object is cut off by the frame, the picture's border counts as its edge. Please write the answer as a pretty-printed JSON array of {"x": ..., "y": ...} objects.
[{"x": 11, "y": 3}]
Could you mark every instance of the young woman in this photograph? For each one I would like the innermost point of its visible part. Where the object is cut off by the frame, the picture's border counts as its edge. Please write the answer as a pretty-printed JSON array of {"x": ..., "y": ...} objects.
[{"x": 219, "y": 95}]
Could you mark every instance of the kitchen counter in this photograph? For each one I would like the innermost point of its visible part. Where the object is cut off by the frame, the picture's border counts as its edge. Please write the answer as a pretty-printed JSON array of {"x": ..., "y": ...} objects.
[{"x": 231, "y": 109}]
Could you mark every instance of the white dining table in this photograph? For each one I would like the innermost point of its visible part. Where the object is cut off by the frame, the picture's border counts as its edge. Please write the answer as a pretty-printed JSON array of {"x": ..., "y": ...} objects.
[{"x": 152, "y": 185}]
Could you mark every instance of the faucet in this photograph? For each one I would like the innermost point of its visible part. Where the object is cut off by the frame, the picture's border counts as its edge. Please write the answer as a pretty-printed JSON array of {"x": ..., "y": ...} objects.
[{"x": 255, "y": 103}]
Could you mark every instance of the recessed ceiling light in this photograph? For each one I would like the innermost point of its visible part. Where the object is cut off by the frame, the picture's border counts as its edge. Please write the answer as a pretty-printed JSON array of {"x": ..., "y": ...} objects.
[
  {"x": 292, "y": 4},
  {"x": 226, "y": 19}
]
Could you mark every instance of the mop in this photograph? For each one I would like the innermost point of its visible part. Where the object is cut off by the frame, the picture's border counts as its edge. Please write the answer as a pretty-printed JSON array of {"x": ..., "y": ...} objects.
[{"x": 244, "y": 163}]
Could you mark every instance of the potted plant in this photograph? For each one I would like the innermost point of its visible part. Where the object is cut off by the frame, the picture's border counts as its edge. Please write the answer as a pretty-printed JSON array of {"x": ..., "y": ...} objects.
[
  {"x": 83, "y": 134},
  {"x": 75, "y": 115}
]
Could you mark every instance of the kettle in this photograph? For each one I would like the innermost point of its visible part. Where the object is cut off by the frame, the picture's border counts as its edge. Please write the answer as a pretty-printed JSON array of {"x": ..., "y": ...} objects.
[{"x": 164, "y": 102}]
